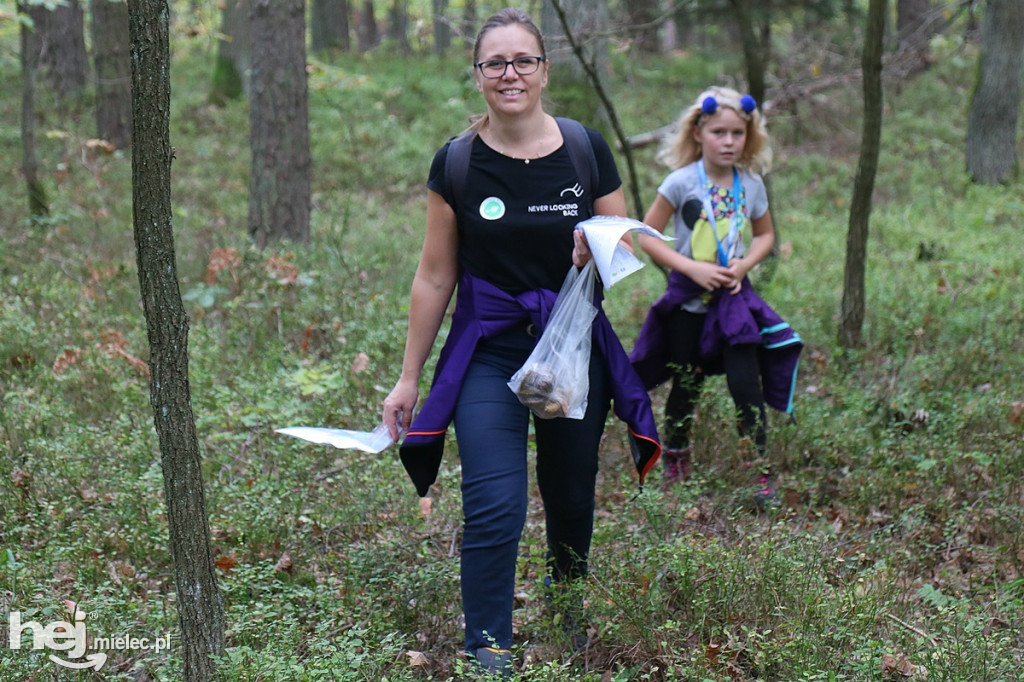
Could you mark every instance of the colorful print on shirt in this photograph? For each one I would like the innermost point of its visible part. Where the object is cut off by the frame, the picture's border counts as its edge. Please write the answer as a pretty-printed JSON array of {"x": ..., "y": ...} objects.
[{"x": 703, "y": 243}]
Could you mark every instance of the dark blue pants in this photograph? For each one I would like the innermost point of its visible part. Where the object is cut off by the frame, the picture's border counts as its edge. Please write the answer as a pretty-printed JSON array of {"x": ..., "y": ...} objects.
[{"x": 491, "y": 427}]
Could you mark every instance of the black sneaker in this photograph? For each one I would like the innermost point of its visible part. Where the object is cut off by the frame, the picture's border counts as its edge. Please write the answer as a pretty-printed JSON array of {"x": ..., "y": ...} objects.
[{"x": 495, "y": 662}]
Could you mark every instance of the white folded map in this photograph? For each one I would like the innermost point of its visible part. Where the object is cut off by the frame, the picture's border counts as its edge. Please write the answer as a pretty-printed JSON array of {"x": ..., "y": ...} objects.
[
  {"x": 367, "y": 441},
  {"x": 614, "y": 261}
]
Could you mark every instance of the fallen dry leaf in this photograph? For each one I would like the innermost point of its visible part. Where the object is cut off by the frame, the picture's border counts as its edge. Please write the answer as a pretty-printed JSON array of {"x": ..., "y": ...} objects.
[
  {"x": 284, "y": 563},
  {"x": 102, "y": 146},
  {"x": 898, "y": 667},
  {"x": 417, "y": 658},
  {"x": 360, "y": 364},
  {"x": 226, "y": 563},
  {"x": 281, "y": 268},
  {"x": 20, "y": 477},
  {"x": 69, "y": 357},
  {"x": 221, "y": 260},
  {"x": 711, "y": 652}
]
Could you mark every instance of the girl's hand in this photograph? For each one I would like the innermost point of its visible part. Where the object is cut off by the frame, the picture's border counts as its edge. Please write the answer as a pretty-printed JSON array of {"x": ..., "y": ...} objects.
[
  {"x": 738, "y": 269},
  {"x": 709, "y": 276},
  {"x": 399, "y": 406},
  {"x": 581, "y": 250}
]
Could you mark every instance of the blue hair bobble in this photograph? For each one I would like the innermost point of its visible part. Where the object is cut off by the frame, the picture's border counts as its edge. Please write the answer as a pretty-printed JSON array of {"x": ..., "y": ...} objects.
[
  {"x": 747, "y": 102},
  {"x": 709, "y": 105}
]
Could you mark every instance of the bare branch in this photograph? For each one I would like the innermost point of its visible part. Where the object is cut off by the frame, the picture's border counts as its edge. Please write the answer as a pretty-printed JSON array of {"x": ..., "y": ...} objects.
[{"x": 591, "y": 72}]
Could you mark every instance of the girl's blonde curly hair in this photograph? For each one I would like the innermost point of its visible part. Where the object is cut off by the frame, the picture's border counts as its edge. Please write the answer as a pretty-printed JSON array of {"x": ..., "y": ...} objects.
[{"x": 681, "y": 148}]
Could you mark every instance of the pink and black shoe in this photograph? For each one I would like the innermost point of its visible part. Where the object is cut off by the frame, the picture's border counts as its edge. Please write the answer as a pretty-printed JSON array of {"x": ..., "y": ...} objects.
[
  {"x": 677, "y": 465},
  {"x": 764, "y": 487}
]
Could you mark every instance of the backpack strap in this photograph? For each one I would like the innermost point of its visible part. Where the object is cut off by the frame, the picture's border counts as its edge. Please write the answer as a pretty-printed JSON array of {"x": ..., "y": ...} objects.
[
  {"x": 456, "y": 164},
  {"x": 581, "y": 151},
  {"x": 577, "y": 142}
]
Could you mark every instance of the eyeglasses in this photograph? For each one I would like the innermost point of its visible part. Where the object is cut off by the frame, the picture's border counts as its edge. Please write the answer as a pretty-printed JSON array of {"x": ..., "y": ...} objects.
[{"x": 496, "y": 68}]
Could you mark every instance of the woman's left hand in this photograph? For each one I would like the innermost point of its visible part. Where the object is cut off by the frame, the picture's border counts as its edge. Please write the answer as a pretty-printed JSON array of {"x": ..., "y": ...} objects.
[{"x": 581, "y": 254}]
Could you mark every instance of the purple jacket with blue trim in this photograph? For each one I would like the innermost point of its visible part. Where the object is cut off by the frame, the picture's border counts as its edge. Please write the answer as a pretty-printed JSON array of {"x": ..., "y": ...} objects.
[
  {"x": 482, "y": 310},
  {"x": 731, "y": 319}
]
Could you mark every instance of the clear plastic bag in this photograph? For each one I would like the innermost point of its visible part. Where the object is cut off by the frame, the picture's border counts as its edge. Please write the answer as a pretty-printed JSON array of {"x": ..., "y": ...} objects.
[{"x": 555, "y": 380}]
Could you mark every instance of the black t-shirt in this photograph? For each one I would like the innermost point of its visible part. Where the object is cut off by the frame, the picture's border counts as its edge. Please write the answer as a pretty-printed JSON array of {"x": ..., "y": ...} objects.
[{"x": 516, "y": 219}]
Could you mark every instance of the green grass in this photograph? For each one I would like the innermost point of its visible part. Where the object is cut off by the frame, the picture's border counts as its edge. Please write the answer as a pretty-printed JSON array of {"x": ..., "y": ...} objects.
[{"x": 900, "y": 535}]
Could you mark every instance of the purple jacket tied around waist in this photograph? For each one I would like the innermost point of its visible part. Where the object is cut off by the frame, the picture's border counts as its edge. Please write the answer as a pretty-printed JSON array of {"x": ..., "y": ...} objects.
[
  {"x": 731, "y": 319},
  {"x": 482, "y": 310}
]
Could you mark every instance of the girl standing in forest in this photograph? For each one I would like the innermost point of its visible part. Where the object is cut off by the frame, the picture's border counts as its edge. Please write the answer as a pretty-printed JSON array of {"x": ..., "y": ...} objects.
[
  {"x": 502, "y": 232},
  {"x": 710, "y": 320}
]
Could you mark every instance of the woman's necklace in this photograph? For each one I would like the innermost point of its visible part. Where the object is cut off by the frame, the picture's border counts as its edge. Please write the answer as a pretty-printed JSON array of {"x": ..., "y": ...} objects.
[{"x": 535, "y": 153}]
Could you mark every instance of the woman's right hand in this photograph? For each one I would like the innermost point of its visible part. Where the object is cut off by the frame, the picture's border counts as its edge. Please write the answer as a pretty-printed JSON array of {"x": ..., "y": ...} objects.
[
  {"x": 399, "y": 407},
  {"x": 709, "y": 276}
]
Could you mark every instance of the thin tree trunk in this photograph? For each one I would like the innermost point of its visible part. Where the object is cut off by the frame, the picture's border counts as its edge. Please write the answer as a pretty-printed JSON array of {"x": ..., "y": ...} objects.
[
  {"x": 442, "y": 29},
  {"x": 642, "y": 17},
  {"x": 852, "y": 314},
  {"x": 62, "y": 55},
  {"x": 233, "y": 63},
  {"x": 329, "y": 28},
  {"x": 469, "y": 24},
  {"x": 398, "y": 25},
  {"x": 38, "y": 204},
  {"x": 571, "y": 87},
  {"x": 113, "y": 71},
  {"x": 593, "y": 76},
  {"x": 199, "y": 604},
  {"x": 280, "y": 182},
  {"x": 914, "y": 29},
  {"x": 994, "y": 113},
  {"x": 755, "y": 55},
  {"x": 367, "y": 28}
]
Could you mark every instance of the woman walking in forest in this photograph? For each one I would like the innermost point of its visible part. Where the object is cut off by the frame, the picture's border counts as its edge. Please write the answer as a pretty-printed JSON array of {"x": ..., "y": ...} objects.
[
  {"x": 501, "y": 230},
  {"x": 710, "y": 319}
]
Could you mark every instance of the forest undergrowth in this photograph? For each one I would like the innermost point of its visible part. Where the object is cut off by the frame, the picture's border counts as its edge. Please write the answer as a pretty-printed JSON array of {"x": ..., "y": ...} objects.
[{"x": 896, "y": 553}]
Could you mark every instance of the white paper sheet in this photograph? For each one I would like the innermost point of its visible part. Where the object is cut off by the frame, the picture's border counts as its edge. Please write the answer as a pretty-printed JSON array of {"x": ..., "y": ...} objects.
[
  {"x": 367, "y": 441},
  {"x": 614, "y": 261}
]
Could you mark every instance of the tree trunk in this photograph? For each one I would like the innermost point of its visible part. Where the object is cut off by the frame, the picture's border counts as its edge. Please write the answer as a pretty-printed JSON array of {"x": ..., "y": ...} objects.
[
  {"x": 113, "y": 71},
  {"x": 995, "y": 107},
  {"x": 642, "y": 15},
  {"x": 233, "y": 63},
  {"x": 280, "y": 183},
  {"x": 914, "y": 29},
  {"x": 367, "y": 28},
  {"x": 442, "y": 29},
  {"x": 755, "y": 50},
  {"x": 469, "y": 27},
  {"x": 200, "y": 608},
  {"x": 570, "y": 89},
  {"x": 330, "y": 29},
  {"x": 38, "y": 204},
  {"x": 61, "y": 43},
  {"x": 607, "y": 111},
  {"x": 852, "y": 314},
  {"x": 398, "y": 25}
]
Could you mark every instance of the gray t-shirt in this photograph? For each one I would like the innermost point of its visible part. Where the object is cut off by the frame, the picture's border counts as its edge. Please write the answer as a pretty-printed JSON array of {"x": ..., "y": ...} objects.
[{"x": 691, "y": 228}]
